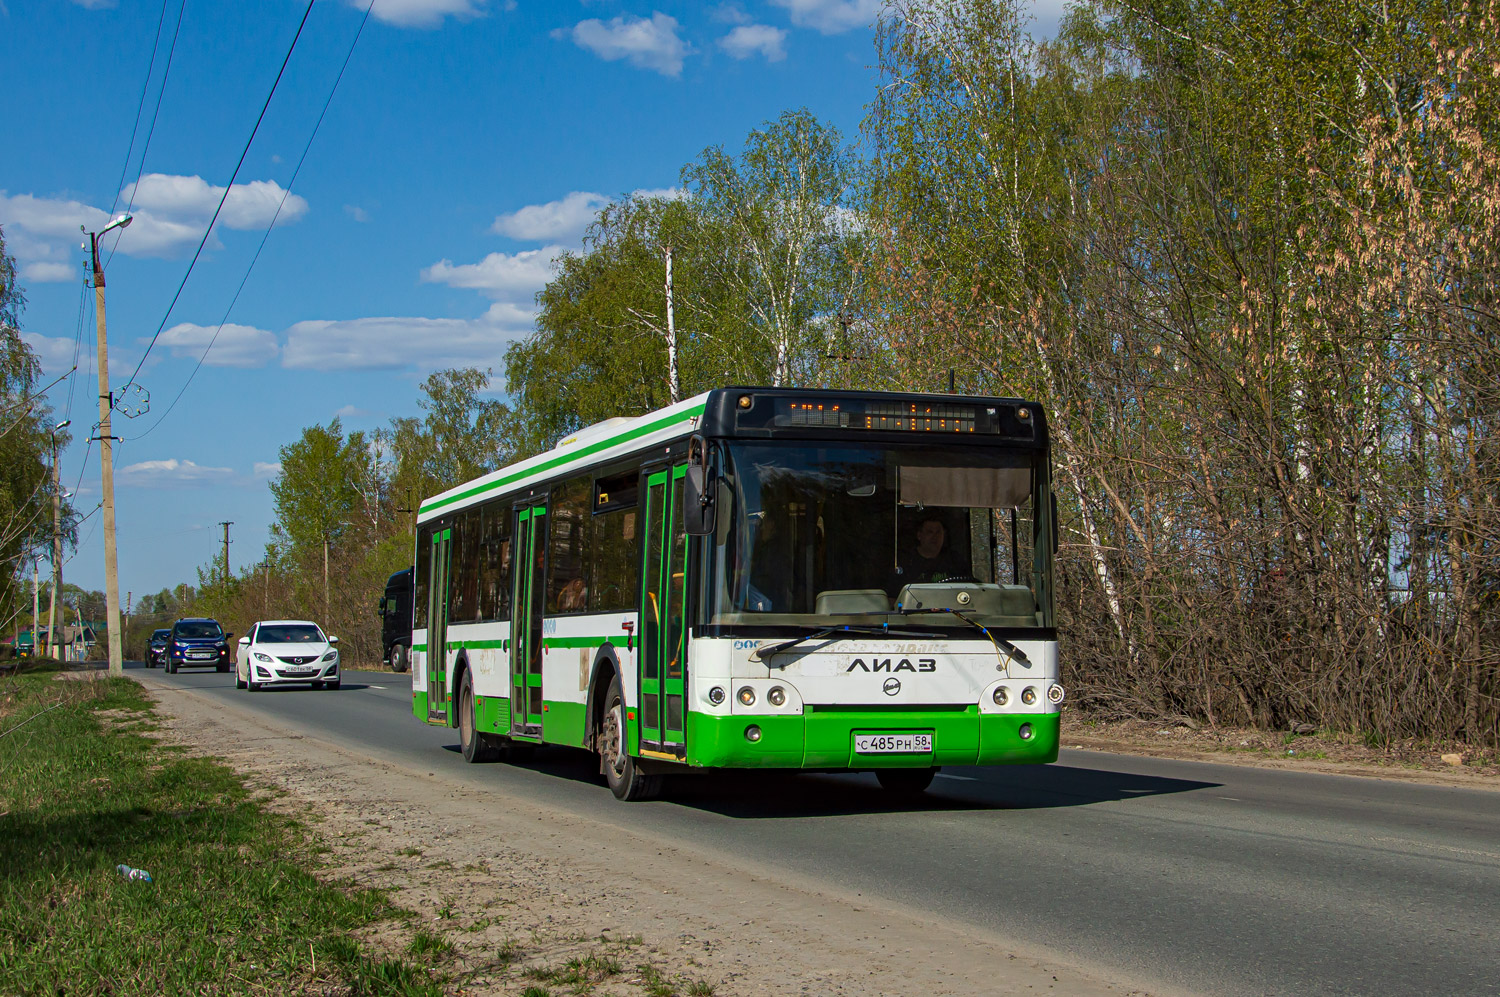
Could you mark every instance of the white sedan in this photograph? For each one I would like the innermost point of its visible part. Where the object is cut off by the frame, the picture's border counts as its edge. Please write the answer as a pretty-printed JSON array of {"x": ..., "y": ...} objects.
[{"x": 287, "y": 652}]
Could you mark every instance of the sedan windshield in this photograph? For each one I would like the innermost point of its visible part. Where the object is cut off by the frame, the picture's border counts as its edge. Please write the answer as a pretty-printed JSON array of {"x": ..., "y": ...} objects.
[
  {"x": 807, "y": 533},
  {"x": 289, "y": 633},
  {"x": 199, "y": 630}
]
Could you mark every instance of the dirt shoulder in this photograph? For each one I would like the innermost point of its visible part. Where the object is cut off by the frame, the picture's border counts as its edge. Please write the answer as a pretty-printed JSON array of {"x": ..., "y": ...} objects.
[
  {"x": 531, "y": 897},
  {"x": 1308, "y": 751}
]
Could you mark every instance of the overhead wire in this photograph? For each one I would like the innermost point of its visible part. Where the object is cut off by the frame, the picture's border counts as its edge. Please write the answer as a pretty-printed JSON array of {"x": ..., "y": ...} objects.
[
  {"x": 285, "y": 194},
  {"x": 155, "y": 114},
  {"x": 227, "y": 188}
]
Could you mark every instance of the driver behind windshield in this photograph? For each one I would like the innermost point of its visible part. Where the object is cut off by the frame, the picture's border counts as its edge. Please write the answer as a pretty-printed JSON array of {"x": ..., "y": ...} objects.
[{"x": 930, "y": 558}]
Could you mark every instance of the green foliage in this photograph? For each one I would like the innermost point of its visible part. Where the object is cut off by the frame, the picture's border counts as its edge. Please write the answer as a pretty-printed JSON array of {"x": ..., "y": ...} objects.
[
  {"x": 233, "y": 905},
  {"x": 317, "y": 491},
  {"x": 26, "y": 490}
]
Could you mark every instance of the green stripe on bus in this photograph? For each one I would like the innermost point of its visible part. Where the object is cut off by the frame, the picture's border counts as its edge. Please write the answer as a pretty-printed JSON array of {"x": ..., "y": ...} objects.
[
  {"x": 561, "y": 642},
  {"x": 567, "y": 458}
]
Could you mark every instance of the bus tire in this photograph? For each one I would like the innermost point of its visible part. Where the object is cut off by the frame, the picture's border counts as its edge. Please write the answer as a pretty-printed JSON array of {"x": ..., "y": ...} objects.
[
  {"x": 476, "y": 745},
  {"x": 905, "y": 782},
  {"x": 624, "y": 777},
  {"x": 398, "y": 659}
]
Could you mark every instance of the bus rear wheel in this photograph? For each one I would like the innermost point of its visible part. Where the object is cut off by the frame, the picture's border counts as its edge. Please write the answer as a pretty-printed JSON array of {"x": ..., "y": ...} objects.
[
  {"x": 905, "y": 782},
  {"x": 621, "y": 772},
  {"x": 477, "y": 746}
]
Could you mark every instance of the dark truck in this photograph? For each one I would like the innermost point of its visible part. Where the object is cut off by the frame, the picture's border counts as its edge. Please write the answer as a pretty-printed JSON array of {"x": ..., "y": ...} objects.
[{"x": 395, "y": 620}]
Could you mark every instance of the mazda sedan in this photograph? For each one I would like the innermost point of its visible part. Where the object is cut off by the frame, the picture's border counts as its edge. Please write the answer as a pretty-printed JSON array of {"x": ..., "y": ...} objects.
[{"x": 287, "y": 652}]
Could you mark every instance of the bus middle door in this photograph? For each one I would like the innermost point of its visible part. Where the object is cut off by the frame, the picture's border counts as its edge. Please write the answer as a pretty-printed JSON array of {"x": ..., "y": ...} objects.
[
  {"x": 663, "y": 658},
  {"x": 526, "y": 620},
  {"x": 437, "y": 627}
]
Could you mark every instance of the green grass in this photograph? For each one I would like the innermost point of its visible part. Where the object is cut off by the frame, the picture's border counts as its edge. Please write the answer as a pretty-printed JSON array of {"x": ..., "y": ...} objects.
[{"x": 234, "y": 906}]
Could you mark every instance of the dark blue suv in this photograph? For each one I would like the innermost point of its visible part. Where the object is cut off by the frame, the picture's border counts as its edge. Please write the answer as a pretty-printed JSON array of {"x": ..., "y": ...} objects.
[{"x": 197, "y": 642}]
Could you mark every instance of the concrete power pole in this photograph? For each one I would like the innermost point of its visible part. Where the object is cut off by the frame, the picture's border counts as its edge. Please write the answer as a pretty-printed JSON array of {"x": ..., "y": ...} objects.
[
  {"x": 674, "y": 388},
  {"x": 226, "y": 553},
  {"x": 56, "y": 545},
  {"x": 107, "y": 461},
  {"x": 36, "y": 606}
]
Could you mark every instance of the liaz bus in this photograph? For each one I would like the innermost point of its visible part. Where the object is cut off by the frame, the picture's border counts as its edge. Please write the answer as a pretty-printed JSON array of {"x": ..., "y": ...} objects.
[{"x": 753, "y": 578}]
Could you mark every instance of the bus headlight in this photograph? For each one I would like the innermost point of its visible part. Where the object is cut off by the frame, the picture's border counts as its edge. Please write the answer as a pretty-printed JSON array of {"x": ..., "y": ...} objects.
[
  {"x": 1002, "y": 695},
  {"x": 747, "y": 696},
  {"x": 716, "y": 695},
  {"x": 776, "y": 696},
  {"x": 1028, "y": 695},
  {"x": 1055, "y": 693},
  {"x": 1025, "y": 731},
  {"x": 752, "y": 734}
]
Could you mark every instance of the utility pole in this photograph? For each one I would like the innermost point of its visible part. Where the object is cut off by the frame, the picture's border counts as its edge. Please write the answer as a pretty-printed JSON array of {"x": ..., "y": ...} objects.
[
  {"x": 325, "y": 578},
  {"x": 129, "y": 602},
  {"x": 107, "y": 460},
  {"x": 36, "y": 605},
  {"x": 226, "y": 526},
  {"x": 56, "y": 545}
]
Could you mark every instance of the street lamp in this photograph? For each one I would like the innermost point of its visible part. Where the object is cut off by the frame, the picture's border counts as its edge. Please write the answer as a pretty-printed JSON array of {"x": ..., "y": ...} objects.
[
  {"x": 106, "y": 457},
  {"x": 56, "y": 542}
]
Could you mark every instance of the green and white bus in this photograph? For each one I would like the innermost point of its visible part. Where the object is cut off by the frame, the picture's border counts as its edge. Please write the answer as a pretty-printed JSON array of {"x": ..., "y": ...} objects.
[{"x": 753, "y": 578}]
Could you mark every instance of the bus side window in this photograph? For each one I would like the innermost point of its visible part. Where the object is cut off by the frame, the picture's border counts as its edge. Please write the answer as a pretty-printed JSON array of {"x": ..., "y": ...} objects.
[
  {"x": 569, "y": 533},
  {"x": 424, "y": 577},
  {"x": 494, "y": 562}
]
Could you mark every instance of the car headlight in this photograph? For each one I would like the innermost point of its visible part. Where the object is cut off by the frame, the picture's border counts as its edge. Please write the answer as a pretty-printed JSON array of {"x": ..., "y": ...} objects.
[
  {"x": 262, "y": 657},
  {"x": 331, "y": 656}
]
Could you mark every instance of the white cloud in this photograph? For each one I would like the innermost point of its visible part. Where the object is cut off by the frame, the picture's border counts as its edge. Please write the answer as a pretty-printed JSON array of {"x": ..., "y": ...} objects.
[
  {"x": 169, "y": 216},
  {"x": 421, "y": 13},
  {"x": 54, "y": 352},
  {"x": 172, "y": 473},
  {"x": 249, "y": 205},
  {"x": 236, "y": 345},
  {"x": 356, "y": 212},
  {"x": 555, "y": 221},
  {"x": 729, "y": 13},
  {"x": 265, "y": 469},
  {"x": 395, "y": 343},
  {"x": 95, "y": 4},
  {"x": 353, "y": 412},
  {"x": 50, "y": 273},
  {"x": 831, "y": 17},
  {"x": 749, "y": 39},
  {"x": 501, "y": 276},
  {"x": 647, "y": 44}
]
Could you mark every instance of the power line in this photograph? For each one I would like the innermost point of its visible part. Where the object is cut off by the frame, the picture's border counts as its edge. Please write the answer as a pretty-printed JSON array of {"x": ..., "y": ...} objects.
[
  {"x": 264, "y": 238},
  {"x": 227, "y": 188},
  {"x": 155, "y": 113}
]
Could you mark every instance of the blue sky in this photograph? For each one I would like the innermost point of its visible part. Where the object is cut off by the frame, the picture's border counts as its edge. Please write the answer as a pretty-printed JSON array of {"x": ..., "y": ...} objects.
[{"x": 469, "y": 142}]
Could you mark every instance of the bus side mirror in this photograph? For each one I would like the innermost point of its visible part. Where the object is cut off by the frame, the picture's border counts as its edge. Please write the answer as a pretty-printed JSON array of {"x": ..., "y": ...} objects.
[
  {"x": 381, "y": 611},
  {"x": 697, "y": 502}
]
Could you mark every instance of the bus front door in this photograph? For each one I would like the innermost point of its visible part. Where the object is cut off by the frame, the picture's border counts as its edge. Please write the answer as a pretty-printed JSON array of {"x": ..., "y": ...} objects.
[
  {"x": 437, "y": 627},
  {"x": 526, "y": 621},
  {"x": 663, "y": 658}
]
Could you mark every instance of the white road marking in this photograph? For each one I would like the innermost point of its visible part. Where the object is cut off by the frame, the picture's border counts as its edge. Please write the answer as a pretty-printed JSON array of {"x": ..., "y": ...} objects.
[{"x": 960, "y": 778}]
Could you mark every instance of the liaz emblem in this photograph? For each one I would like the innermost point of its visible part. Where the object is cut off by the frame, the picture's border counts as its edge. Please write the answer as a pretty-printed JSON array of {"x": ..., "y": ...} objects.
[{"x": 893, "y": 665}]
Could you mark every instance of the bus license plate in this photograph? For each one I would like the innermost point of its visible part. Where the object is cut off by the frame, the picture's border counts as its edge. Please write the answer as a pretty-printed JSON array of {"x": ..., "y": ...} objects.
[{"x": 893, "y": 744}]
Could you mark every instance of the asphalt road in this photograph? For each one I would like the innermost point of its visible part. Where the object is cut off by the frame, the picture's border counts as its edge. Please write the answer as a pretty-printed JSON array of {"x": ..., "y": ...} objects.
[{"x": 1182, "y": 876}]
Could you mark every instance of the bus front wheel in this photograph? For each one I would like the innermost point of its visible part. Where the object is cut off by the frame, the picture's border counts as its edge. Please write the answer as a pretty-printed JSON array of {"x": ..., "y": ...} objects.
[{"x": 622, "y": 773}]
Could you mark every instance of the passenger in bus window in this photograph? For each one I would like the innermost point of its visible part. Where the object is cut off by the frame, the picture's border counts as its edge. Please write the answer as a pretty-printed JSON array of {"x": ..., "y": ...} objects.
[{"x": 573, "y": 597}]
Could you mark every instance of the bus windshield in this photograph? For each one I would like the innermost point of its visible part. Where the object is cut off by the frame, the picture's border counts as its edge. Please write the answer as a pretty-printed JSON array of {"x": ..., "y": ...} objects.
[{"x": 815, "y": 535}]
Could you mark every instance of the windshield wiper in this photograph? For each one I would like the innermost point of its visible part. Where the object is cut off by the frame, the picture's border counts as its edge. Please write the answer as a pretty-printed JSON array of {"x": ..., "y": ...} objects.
[
  {"x": 999, "y": 642},
  {"x": 761, "y": 654}
]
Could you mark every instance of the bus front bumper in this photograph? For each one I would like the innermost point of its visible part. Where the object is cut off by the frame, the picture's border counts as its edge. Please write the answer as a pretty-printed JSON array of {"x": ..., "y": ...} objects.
[{"x": 826, "y": 740}]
